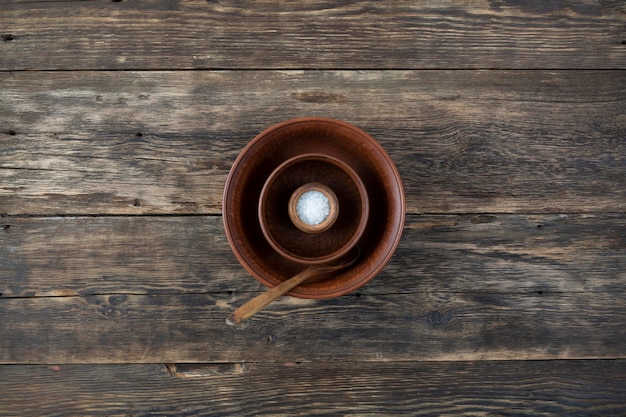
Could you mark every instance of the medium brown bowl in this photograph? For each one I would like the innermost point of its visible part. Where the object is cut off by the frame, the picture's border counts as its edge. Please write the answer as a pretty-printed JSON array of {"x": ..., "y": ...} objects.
[
  {"x": 280, "y": 226},
  {"x": 334, "y": 139}
]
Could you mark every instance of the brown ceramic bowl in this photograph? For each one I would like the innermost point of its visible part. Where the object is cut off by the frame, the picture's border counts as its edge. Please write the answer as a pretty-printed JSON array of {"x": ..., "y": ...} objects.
[
  {"x": 334, "y": 139},
  {"x": 298, "y": 240}
]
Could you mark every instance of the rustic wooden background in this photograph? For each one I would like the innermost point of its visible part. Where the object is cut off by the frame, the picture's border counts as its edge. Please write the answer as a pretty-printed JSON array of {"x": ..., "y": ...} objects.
[{"x": 119, "y": 121}]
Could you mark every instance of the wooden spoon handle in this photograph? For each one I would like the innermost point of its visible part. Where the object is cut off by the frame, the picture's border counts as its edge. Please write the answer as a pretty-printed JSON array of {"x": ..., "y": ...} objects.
[{"x": 257, "y": 303}]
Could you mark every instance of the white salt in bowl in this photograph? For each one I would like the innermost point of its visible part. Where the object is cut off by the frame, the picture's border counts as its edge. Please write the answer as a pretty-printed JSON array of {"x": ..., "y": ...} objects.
[{"x": 313, "y": 208}]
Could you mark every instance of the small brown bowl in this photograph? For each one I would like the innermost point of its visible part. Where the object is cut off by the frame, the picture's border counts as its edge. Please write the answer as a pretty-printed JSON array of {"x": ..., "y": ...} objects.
[
  {"x": 334, "y": 139},
  {"x": 313, "y": 208},
  {"x": 341, "y": 228}
]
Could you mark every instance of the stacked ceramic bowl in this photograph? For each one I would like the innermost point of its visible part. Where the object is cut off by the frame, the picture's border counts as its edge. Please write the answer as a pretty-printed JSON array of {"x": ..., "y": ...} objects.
[{"x": 313, "y": 191}]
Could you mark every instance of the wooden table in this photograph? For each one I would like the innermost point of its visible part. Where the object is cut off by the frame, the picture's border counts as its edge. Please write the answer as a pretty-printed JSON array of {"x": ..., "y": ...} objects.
[{"x": 119, "y": 122}]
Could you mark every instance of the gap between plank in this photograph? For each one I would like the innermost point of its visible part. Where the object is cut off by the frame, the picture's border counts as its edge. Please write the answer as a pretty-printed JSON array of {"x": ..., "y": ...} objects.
[{"x": 309, "y": 69}]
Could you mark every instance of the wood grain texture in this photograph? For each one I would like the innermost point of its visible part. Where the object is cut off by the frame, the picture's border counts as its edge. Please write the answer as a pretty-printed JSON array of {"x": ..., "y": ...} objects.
[
  {"x": 62, "y": 256},
  {"x": 163, "y": 142},
  {"x": 435, "y": 326},
  {"x": 119, "y": 121},
  {"x": 524, "y": 389},
  {"x": 163, "y": 34}
]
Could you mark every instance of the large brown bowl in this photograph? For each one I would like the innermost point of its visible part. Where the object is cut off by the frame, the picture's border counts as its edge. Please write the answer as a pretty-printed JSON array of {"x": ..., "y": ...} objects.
[{"x": 322, "y": 136}]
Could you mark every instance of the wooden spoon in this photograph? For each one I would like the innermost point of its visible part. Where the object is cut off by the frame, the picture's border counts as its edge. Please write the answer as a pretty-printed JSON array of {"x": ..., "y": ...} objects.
[{"x": 257, "y": 303}]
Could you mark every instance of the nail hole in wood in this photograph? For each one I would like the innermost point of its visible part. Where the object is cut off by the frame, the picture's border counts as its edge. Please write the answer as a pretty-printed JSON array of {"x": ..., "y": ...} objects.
[
  {"x": 11, "y": 132},
  {"x": 540, "y": 226},
  {"x": 139, "y": 134},
  {"x": 137, "y": 203},
  {"x": 7, "y": 37},
  {"x": 230, "y": 292},
  {"x": 6, "y": 227},
  {"x": 116, "y": 1},
  {"x": 539, "y": 292},
  {"x": 623, "y": 42}
]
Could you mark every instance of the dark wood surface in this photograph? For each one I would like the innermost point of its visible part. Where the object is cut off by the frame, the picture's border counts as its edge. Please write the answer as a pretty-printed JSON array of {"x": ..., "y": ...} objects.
[
  {"x": 317, "y": 34},
  {"x": 119, "y": 122},
  {"x": 496, "y": 388},
  {"x": 464, "y": 141}
]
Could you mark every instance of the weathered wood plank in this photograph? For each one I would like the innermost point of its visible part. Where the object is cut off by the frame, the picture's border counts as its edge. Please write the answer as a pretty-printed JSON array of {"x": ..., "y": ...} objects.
[
  {"x": 172, "y": 255},
  {"x": 120, "y": 328},
  {"x": 159, "y": 34},
  {"x": 130, "y": 255},
  {"x": 536, "y": 388},
  {"x": 163, "y": 142}
]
